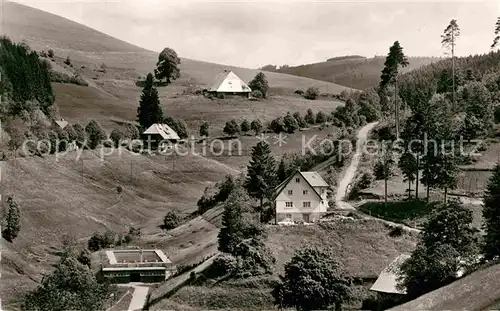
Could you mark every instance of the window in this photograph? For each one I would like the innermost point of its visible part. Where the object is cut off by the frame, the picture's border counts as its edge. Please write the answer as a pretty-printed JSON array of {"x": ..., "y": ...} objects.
[
  {"x": 288, "y": 204},
  {"x": 306, "y": 204},
  {"x": 297, "y": 180},
  {"x": 290, "y": 192},
  {"x": 288, "y": 216},
  {"x": 323, "y": 191},
  {"x": 304, "y": 192}
]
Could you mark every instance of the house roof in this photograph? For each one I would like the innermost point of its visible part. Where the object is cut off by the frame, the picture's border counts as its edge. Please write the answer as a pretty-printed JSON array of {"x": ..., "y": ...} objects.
[
  {"x": 312, "y": 178},
  {"x": 228, "y": 81},
  {"x": 388, "y": 279},
  {"x": 165, "y": 131}
]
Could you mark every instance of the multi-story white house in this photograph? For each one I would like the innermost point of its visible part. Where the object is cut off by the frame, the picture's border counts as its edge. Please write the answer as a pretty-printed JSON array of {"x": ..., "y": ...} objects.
[{"x": 301, "y": 197}]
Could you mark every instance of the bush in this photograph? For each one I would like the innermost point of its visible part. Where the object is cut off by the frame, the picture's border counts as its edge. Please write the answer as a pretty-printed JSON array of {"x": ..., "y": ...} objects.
[
  {"x": 220, "y": 95},
  {"x": 245, "y": 126},
  {"x": 366, "y": 180},
  {"x": 117, "y": 136},
  {"x": 204, "y": 129},
  {"x": 299, "y": 92},
  {"x": 95, "y": 134},
  {"x": 300, "y": 121},
  {"x": 50, "y": 53},
  {"x": 257, "y": 94},
  {"x": 223, "y": 265},
  {"x": 131, "y": 131},
  {"x": 290, "y": 123},
  {"x": 231, "y": 128},
  {"x": 68, "y": 61},
  {"x": 311, "y": 93},
  {"x": 320, "y": 117},
  {"x": 60, "y": 77},
  {"x": 310, "y": 118},
  {"x": 256, "y": 126},
  {"x": 171, "y": 220},
  {"x": 277, "y": 125}
]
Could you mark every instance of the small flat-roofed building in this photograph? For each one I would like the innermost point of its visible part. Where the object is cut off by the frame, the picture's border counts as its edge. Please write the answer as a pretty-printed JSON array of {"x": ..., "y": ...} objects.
[{"x": 136, "y": 265}]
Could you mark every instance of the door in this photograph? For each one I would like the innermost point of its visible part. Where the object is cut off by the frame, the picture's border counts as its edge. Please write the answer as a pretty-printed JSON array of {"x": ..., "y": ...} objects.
[
  {"x": 305, "y": 217},
  {"x": 135, "y": 277}
]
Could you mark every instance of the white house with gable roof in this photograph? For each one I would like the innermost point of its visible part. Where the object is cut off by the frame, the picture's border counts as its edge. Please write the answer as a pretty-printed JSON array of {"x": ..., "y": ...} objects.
[
  {"x": 229, "y": 83},
  {"x": 301, "y": 197}
]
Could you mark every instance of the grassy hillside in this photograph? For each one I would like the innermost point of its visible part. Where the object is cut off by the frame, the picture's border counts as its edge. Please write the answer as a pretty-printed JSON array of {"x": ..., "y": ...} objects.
[
  {"x": 43, "y": 31},
  {"x": 356, "y": 72},
  {"x": 363, "y": 247}
]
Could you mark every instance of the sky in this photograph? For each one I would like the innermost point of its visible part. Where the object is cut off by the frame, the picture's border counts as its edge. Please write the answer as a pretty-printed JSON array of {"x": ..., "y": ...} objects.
[{"x": 256, "y": 33}]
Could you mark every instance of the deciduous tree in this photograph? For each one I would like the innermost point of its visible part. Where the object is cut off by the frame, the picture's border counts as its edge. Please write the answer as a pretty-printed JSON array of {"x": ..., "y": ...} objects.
[
  {"x": 259, "y": 83},
  {"x": 204, "y": 129},
  {"x": 167, "y": 66},
  {"x": 313, "y": 280}
]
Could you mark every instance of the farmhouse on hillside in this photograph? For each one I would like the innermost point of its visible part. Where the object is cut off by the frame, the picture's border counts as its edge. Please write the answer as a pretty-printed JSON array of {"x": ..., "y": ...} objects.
[
  {"x": 136, "y": 265},
  {"x": 301, "y": 197},
  {"x": 228, "y": 83},
  {"x": 158, "y": 133},
  {"x": 386, "y": 285}
]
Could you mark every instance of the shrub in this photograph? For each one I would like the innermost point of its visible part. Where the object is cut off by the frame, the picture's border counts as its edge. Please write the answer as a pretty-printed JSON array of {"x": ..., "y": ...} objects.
[
  {"x": 95, "y": 134},
  {"x": 311, "y": 93},
  {"x": 365, "y": 180},
  {"x": 50, "y": 53},
  {"x": 256, "y": 126},
  {"x": 231, "y": 128},
  {"x": 131, "y": 131},
  {"x": 224, "y": 264},
  {"x": 245, "y": 126},
  {"x": 320, "y": 117},
  {"x": 300, "y": 121},
  {"x": 68, "y": 61},
  {"x": 290, "y": 123},
  {"x": 117, "y": 136},
  {"x": 396, "y": 232},
  {"x": 299, "y": 92},
  {"x": 278, "y": 125},
  {"x": 171, "y": 220},
  {"x": 310, "y": 118},
  {"x": 204, "y": 129},
  {"x": 43, "y": 54},
  {"x": 80, "y": 134},
  {"x": 257, "y": 94},
  {"x": 220, "y": 95}
]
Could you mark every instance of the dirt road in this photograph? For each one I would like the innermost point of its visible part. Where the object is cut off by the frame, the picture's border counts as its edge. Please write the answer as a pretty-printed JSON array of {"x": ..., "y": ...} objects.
[{"x": 353, "y": 166}]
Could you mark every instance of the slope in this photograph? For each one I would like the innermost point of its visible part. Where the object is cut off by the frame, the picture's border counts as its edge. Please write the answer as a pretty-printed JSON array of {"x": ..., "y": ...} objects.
[
  {"x": 43, "y": 31},
  {"x": 356, "y": 72},
  {"x": 476, "y": 292}
]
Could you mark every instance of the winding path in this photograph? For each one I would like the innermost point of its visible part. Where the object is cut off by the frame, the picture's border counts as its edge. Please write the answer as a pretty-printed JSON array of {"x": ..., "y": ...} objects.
[
  {"x": 362, "y": 137},
  {"x": 350, "y": 173}
]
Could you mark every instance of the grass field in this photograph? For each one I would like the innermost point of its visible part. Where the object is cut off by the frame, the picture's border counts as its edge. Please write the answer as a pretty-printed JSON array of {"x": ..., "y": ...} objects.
[{"x": 411, "y": 213}]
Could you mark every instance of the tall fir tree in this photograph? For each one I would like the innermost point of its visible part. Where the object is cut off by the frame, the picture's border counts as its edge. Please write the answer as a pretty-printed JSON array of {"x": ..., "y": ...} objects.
[
  {"x": 232, "y": 232},
  {"x": 12, "y": 220},
  {"x": 261, "y": 177},
  {"x": 496, "y": 39},
  {"x": 491, "y": 215},
  {"x": 394, "y": 59},
  {"x": 149, "y": 111},
  {"x": 448, "y": 40},
  {"x": 281, "y": 173}
]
